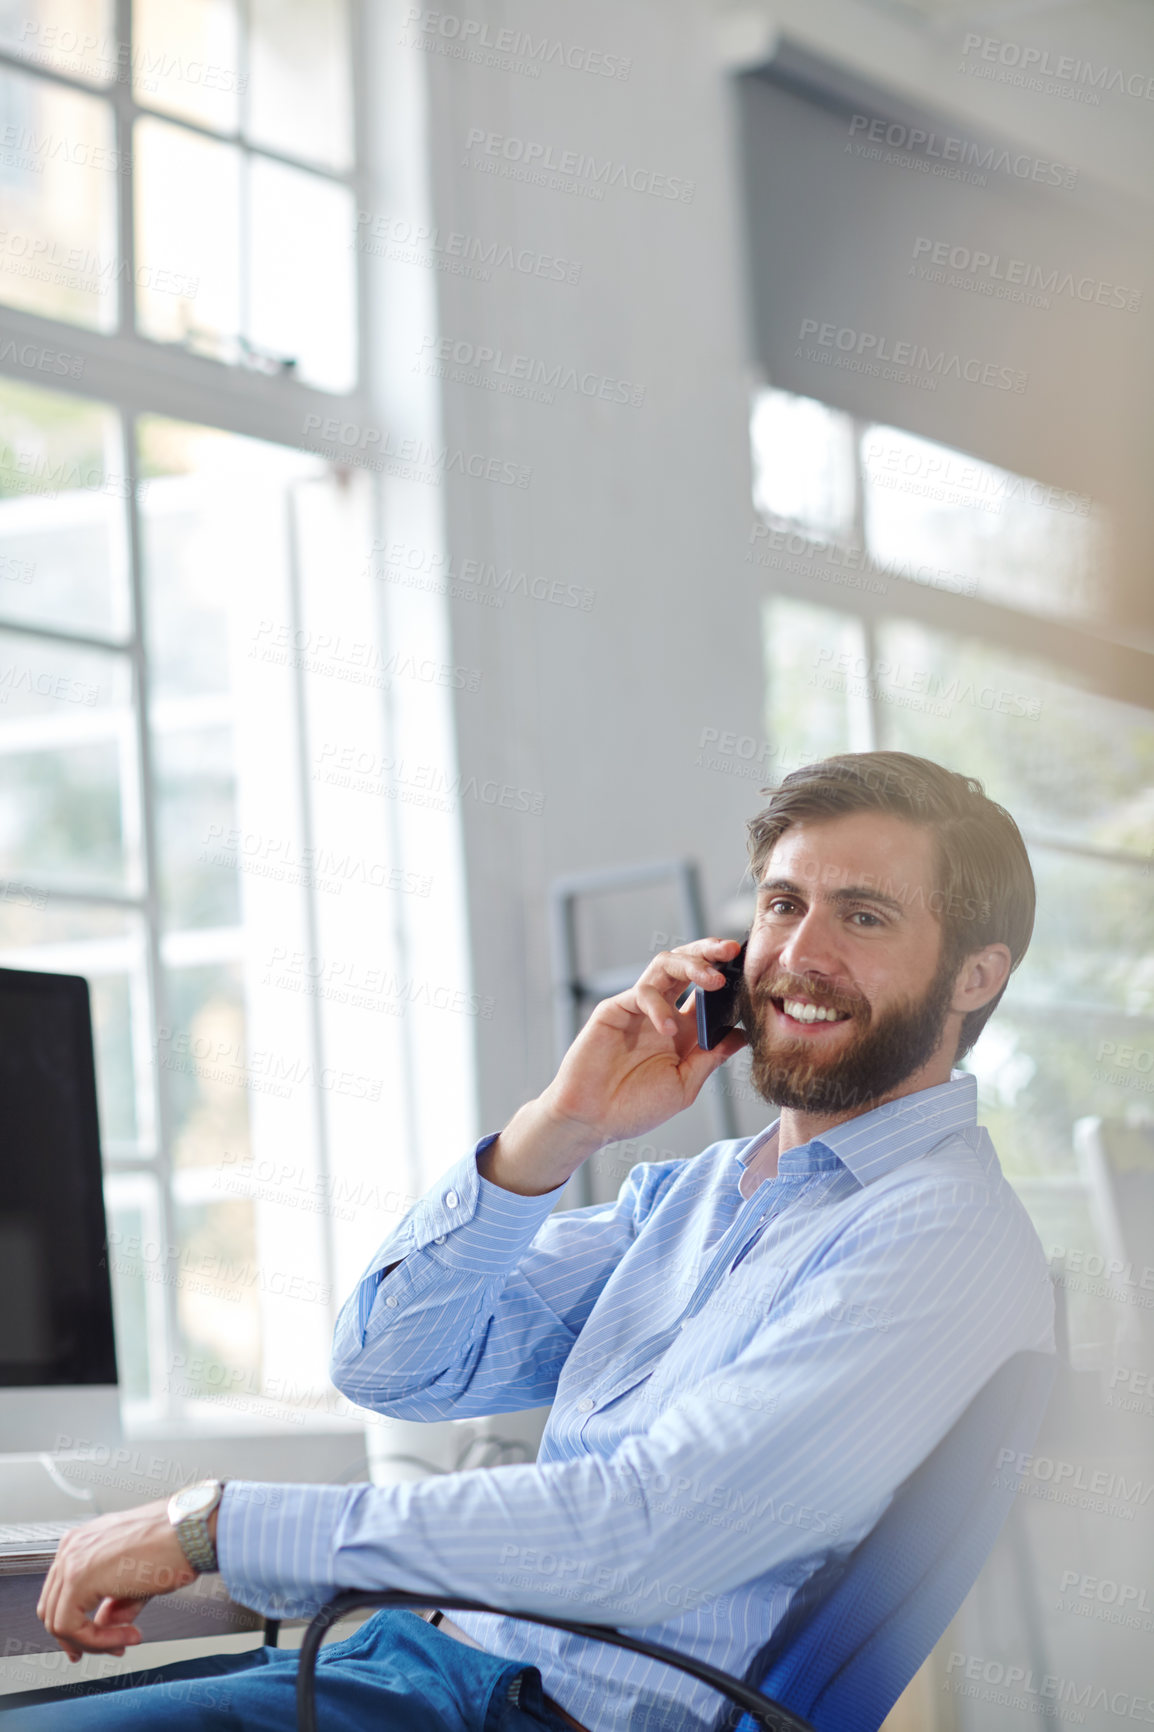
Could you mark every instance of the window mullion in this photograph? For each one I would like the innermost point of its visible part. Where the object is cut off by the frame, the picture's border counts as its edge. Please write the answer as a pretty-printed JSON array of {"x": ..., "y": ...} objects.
[
  {"x": 858, "y": 533},
  {"x": 866, "y": 719},
  {"x": 150, "y": 872},
  {"x": 57, "y": 634},
  {"x": 314, "y": 1004},
  {"x": 362, "y": 183},
  {"x": 122, "y": 104},
  {"x": 54, "y": 893},
  {"x": 163, "y": 379}
]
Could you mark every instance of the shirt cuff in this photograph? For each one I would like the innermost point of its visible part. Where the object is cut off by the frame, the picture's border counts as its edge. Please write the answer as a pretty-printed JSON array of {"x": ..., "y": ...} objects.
[
  {"x": 492, "y": 1226},
  {"x": 276, "y": 1545},
  {"x": 470, "y": 1224}
]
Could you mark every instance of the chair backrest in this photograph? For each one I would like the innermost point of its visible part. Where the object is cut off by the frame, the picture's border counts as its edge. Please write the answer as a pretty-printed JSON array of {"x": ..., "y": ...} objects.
[{"x": 859, "y": 1631}]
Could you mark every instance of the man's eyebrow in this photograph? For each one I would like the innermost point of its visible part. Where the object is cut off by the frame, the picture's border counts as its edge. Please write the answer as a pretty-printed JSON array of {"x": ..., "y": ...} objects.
[{"x": 852, "y": 893}]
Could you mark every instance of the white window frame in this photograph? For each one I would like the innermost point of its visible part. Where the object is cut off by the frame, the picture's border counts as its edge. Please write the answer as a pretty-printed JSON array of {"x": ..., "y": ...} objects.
[{"x": 133, "y": 375}]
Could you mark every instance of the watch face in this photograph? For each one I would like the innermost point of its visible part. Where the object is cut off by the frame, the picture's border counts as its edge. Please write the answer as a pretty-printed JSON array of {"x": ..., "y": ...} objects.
[{"x": 195, "y": 1500}]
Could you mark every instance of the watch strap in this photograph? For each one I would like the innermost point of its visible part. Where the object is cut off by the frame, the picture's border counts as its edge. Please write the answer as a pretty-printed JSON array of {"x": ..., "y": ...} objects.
[{"x": 195, "y": 1540}]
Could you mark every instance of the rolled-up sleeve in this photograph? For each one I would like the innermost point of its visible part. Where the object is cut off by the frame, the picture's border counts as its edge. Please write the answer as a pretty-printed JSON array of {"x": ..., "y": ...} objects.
[{"x": 489, "y": 1294}]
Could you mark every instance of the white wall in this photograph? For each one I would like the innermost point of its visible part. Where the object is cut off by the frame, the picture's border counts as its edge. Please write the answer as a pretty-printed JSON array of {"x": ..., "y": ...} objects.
[{"x": 601, "y": 712}]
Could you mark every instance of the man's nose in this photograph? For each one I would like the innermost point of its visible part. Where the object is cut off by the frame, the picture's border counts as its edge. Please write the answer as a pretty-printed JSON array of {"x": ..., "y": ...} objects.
[{"x": 812, "y": 946}]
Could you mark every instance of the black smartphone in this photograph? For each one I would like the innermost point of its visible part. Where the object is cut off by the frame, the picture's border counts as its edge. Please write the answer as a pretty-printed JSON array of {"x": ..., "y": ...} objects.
[{"x": 717, "y": 1010}]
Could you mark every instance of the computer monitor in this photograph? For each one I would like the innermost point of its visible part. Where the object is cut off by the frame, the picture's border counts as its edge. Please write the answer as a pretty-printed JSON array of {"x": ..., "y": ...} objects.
[{"x": 57, "y": 1349}]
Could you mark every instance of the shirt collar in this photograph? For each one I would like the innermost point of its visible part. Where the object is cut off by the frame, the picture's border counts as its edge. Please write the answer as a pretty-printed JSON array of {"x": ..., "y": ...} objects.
[{"x": 877, "y": 1142}]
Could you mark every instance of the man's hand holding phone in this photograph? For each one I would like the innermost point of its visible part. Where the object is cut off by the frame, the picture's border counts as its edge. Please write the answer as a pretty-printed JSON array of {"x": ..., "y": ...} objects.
[{"x": 635, "y": 1064}]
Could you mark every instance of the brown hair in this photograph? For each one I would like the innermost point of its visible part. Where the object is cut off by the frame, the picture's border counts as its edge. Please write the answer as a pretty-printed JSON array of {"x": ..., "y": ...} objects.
[{"x": 985, "y": 887}]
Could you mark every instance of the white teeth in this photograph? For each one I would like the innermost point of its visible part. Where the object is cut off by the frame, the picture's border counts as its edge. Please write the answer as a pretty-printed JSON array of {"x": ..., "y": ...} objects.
[{"x": 810, "y": 1012}]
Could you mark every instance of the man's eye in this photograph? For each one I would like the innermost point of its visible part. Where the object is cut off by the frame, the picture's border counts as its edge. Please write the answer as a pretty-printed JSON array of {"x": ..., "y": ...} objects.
[
  {"x": 780, "y": 905},
  {"x": 864, "y": 914}
]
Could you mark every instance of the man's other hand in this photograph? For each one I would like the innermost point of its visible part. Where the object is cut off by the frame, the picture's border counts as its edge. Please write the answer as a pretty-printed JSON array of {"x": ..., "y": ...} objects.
[{"x": 104, "y": 1572}]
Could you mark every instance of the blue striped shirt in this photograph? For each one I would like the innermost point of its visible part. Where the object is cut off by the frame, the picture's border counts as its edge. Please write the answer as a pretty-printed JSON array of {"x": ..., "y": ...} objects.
[{"x": 738, "y": 1387}]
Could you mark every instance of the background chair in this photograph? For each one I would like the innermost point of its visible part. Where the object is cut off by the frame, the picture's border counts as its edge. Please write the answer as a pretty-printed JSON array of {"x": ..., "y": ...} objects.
[
  {"x": 860, "y": 1628},
  {"x": 1116, "y": 1162}
]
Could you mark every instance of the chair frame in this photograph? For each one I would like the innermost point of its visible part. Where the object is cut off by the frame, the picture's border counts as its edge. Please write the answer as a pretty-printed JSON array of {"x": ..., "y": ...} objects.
[{"x": 764, "y": 1712}]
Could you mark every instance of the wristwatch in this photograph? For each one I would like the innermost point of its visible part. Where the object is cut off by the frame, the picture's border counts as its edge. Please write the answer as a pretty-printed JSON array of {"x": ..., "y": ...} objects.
[{"x": 188, "y": 1511}]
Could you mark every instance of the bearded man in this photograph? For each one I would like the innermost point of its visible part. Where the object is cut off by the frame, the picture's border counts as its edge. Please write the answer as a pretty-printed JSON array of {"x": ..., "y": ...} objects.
[{"x": 746, "y": 1353}]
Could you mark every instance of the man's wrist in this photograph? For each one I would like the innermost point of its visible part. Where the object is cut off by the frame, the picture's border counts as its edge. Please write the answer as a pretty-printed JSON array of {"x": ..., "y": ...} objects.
[{"x": 537, "y": 1151}]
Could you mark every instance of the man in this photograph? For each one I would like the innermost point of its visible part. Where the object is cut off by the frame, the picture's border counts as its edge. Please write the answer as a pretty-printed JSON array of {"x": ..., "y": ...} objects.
[{"x": 747, "y": 1353}]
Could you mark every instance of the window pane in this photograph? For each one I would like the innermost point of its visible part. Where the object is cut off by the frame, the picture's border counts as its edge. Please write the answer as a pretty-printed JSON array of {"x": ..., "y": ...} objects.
[
  {"x": 196, "y": 816},
  {"x": 1094, "y": 935},
  {"x": 187, "y": 245},
  {"x": 301, "y": 271},
  {"x": 215, "y": 567},
  {"x": 812, "y": 710},
  {"x": 1065, "y": 761},
  {"x": 62, "y": 512},
  {"x": 1042, "y": 1065},
  {"x": 72, "y": 36},
  {"x": 202, "y": 1052},
  {"x": 1022, "y": 542},
  {"x": 803, "y": 463},
  {"x": 138, "y": 1271},
  {"x": 219, "y": 1298},
  {"x": 190, "y": 507},
  {"x": 69, "y": 815},
  {"x": 106, "y": 945},
  {"x": 58, "y": 252},
  {"x": 1039, "y": 1071},
  {"x": 185, "y": 59},
  {"x": 300, "y": 101}
]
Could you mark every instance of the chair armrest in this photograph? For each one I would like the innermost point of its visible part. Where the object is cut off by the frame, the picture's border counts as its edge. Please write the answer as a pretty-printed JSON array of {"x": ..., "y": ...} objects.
[{"x": 765, "y": 1713}]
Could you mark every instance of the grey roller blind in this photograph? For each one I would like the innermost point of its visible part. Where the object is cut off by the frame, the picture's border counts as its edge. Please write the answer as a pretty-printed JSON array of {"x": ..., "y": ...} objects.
[{"x": 912, "y": 271}]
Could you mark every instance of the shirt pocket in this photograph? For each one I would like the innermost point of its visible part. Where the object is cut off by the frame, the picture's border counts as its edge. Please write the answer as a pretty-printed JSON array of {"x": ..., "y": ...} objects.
[
  {"x": 738, "y": 1307},
  {"x": 741, "y": 1303}
]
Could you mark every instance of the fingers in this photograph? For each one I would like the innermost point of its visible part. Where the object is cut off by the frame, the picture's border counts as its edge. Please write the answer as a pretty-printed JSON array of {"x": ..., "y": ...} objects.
[
  {"x": 119, "y": 1615},
  {"x": 698, "y": 1065},
  {"x": 672, "y": 971},
  {"x": 117, "y": 1611},
  {"x": 651, "y": 1004},
  {"x": 77, "y": 1633},
  {"x": 63, "y": 1609}
]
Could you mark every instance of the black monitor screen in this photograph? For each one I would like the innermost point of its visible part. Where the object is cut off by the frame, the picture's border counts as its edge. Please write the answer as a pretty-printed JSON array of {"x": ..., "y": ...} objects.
[{"x": 55, "y": 1297}]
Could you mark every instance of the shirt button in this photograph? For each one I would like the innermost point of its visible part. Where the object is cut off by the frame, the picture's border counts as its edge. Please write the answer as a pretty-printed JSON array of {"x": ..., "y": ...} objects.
[
  {"x": 451, "y": 1199},
  {"x": 440, "y": 1239},
  {"x": 586, "y": 1404},
  {"x": 392, "y": 1301}
]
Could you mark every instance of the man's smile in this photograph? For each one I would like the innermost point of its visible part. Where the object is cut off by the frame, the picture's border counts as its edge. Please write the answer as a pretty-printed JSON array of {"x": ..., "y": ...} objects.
[{"x": 803, "y": 1014}]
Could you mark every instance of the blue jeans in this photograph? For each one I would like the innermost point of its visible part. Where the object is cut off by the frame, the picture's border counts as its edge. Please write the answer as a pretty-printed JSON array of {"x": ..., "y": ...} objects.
[{"x": 396, "y": 1673}]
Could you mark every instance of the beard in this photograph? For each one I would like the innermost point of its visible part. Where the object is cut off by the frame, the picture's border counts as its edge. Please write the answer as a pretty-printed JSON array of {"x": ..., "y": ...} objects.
[{"x": 881, "y": 1054}]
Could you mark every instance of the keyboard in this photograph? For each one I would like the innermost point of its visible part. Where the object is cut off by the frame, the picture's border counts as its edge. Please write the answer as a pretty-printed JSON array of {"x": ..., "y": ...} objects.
[
  {"x": 35, "y": 1533},
  {"x": 30, "y": 1542}
]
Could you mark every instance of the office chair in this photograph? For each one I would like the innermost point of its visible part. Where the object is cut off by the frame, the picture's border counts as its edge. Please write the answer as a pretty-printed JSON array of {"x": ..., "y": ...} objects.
[{"x": 861, "y": 1626}]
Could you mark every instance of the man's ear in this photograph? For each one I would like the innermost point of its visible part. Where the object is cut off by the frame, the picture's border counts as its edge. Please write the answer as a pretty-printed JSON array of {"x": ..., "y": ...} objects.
[{"x": 981, "y": 977}]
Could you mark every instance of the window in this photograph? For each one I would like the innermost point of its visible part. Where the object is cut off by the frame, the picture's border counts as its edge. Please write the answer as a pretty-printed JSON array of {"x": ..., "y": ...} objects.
[
  {"x": 855, "y": 661},
  {"x": 194, "y": 185},
  {"x": 167, "y": 831},
  {"x": 218, "y": 723}
]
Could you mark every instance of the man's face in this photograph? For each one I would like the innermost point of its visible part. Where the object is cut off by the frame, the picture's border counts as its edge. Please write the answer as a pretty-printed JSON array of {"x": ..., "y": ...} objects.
[{"x": 843, "y": 996}]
